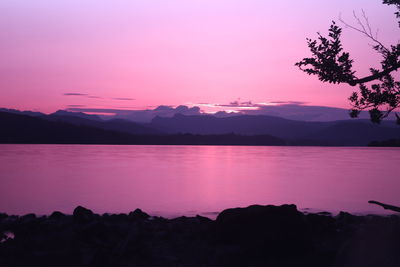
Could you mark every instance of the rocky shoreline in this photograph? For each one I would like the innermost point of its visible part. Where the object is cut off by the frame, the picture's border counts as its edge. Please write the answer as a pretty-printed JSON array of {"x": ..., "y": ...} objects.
[{"x": 252, "y": 236}]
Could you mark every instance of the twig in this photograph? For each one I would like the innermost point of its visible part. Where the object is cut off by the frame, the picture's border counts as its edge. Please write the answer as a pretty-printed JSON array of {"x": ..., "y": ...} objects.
[
  {"x": 365, "y": 29},
  {"x": 385, "y": 206}
]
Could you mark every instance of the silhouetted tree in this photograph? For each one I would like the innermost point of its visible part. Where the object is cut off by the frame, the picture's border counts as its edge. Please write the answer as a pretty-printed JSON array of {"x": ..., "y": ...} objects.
[{"x": 331, "y": 64}]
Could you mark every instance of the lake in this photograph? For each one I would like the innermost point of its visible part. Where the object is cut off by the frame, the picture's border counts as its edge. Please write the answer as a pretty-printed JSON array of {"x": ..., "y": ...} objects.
[{"x": 187, "y": 180}]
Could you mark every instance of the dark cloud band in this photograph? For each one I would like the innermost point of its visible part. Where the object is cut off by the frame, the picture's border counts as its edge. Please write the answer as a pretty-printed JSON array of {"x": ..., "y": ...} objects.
[
  {"x": 75, "y": 94},
  {"x": 123, "y": 98}
]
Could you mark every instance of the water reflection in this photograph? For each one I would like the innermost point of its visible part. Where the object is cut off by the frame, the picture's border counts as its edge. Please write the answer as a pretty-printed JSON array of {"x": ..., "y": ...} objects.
[{"x": 175, "y": 180}]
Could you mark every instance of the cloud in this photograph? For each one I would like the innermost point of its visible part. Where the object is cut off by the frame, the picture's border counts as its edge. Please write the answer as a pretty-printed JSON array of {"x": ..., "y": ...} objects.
[
  {"x": 289, "y": 102},
  {"x": 76, "y": 106},
  {"x": 123, "y": 98},
  {"x": 295, "y": 110},
  {"x": 238, "y": 104},
  {"x": 163, "y": 107},
  {"x": 81, "y": 94},
  {"x": 98, "y": 110},
  {"x": 235, "y": 106},
  {"x": 75, "y": 94},
  {"x": 145, "y": 115},
  {"x": 249, "y": 105},
  {"x": 98, "y": 97}
]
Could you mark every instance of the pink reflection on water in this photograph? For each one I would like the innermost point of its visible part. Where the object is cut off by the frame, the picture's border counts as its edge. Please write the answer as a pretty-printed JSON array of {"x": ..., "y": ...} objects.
[{"x": 176, "y": 180}]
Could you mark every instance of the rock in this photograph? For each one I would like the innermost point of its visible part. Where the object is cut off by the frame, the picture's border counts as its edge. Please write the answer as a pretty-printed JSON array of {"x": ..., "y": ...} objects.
[
  {"x": 56, "y": 215},
  {"x": 374, "y": 243},
  {"x": 83, "y": 215},
  {"x": 3, "y": 216},
  {"x": 324, "y": 213},
  {"x": 202, "y": 219},
  {"x": 253, "y": 236},
  {"x": 280, "y": 230},
  {"x": 138, "y": 214},
  {"x": 320, "y": 223},
  {"x": 348, "y": 223},
  {"x": 115, "y": 218},
  {"x": 29, "y": 216}
]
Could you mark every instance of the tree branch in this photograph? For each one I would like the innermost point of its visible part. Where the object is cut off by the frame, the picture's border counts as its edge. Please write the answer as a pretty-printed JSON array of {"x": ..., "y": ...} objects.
[
  {"x": 385, "y": 206},
  {"x": 373, "y": 77},
  {"x": 363, "y": 30},
  {"x": 331, "y": 64}
]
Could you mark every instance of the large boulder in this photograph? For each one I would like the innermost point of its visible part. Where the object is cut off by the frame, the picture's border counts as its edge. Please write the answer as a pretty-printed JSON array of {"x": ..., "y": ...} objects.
[
  {"x": 138, "y": 214},
  {"x": 57, "y": 215},
  {"x": 83, "y": 215},
  {"x": 373, "y": 243},
  {"x": 3, "y": 216},
  {"x": 276, "y": 230}
]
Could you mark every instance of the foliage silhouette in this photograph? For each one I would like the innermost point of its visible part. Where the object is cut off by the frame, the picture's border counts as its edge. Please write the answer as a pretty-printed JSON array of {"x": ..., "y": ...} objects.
[{"x": 332, "y": 64}]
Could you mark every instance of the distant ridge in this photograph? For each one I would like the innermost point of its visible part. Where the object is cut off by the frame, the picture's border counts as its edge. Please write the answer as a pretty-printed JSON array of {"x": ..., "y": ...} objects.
[
  {"x": 25, "y": 112},
  {"x": 291, "y": 111},
  {"x": 336, "y": 133},
  {"x": 23, "y": 129},
  {"x": 118, "y": 125},
  {"x": 75, "y": 127},
  {"x": 75, "y": 114}
]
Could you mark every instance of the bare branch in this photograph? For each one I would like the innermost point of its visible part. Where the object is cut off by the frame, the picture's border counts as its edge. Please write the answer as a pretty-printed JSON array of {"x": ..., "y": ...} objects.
[
  {"x": 363, "y": 29},
  {"x": 385, "y": 206}
]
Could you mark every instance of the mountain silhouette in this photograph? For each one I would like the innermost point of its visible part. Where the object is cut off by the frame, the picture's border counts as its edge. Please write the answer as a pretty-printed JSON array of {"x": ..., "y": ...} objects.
[
  {"x": 286, "y": 110},
  {"x": 74, "y": 127},
  {"x": 24, "y": 129},
  {"x": 243, "y": 124},
  {"x": 340, "y": 133},
  {"x": 25, "y": 112},
  {"x": 118, "y": 125},
  {"x": 355, "y": 133},
  {"x": 17, "y": 128},
  {"x": 64, "y": 113}
]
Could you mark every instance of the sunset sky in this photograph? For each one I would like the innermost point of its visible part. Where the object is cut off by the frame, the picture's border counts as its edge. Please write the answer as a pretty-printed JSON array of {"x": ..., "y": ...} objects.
[{"x": 129, "y": 54}]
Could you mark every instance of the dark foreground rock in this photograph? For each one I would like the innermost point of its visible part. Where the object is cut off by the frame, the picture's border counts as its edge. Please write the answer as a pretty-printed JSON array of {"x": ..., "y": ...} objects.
[{"x": 252, "y": 236}]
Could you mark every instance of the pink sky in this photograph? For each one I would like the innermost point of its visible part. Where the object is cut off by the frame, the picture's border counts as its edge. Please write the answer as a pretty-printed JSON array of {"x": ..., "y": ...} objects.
[{"x": 172, "y": 52}]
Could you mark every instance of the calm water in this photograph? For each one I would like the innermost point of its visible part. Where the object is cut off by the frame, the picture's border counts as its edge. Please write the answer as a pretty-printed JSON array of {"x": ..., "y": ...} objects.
[{"x": 176, "y": 180}]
